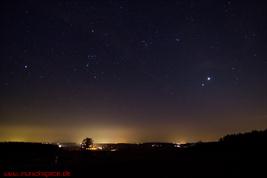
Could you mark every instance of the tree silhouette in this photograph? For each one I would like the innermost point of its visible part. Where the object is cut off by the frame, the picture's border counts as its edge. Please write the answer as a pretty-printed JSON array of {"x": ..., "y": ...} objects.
[{"x": 87, "y": 143}]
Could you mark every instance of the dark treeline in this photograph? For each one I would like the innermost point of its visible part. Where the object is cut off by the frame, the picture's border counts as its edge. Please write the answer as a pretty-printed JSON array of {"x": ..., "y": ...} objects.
[{"x": 252, "y": 138}]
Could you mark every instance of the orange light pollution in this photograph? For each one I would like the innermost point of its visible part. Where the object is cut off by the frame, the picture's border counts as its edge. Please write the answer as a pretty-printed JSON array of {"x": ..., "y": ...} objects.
[{"x": 111, "y": 133}]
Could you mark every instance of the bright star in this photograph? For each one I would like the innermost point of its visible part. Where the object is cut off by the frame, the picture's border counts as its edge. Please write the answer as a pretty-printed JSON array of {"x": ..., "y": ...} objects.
[{"x": 208, "y": 78}]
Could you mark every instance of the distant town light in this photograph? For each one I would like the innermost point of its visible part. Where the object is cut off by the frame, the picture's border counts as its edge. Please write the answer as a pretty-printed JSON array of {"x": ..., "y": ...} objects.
[
  {"x": 92, "y": 148},
  {"x": 177, "y": 145}
]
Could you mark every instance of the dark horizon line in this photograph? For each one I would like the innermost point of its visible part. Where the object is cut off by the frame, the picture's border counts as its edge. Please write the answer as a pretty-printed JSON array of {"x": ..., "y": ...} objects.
[{"x": 58, "y": 142}]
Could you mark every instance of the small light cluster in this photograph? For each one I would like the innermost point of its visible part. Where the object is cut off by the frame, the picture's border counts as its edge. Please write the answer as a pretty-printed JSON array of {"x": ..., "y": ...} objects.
[{"x": 208, "y": 79}]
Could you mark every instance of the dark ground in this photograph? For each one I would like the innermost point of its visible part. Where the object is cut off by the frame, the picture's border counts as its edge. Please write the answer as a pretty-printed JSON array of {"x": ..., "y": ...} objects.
[{"x": 233, "y": 156}]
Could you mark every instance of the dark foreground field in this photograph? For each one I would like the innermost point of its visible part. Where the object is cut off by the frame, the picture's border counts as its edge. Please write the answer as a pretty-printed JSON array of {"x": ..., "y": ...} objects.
[{"x": 236, "y": 156}]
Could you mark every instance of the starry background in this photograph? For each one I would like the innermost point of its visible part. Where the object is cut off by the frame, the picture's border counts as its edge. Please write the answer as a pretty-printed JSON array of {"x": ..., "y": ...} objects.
[{"x": 132, "y": 71}]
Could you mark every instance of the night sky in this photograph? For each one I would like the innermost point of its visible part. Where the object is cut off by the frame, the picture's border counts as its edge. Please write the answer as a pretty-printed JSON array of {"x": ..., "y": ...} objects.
[{"x": 132, "y": 71}]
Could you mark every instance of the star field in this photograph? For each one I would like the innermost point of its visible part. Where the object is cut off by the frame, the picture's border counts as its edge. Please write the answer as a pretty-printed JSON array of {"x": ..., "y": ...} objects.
[{"x": 195, "y": 69}]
